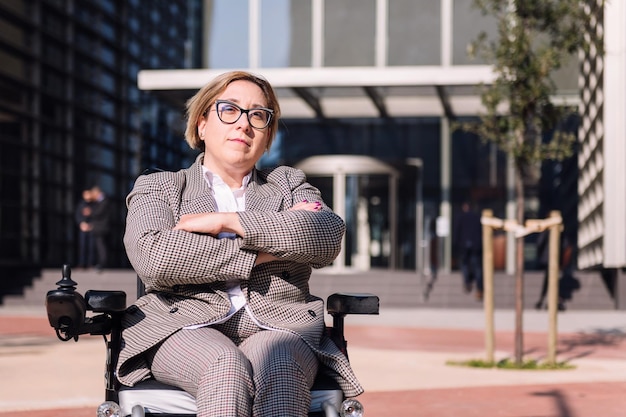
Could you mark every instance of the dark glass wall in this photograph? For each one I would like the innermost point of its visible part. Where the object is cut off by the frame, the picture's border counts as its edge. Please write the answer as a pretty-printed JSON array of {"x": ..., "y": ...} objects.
[{"x": 71, "y": 115}]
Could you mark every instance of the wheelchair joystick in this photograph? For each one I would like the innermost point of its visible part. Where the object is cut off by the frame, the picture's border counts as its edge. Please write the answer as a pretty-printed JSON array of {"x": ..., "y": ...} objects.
[{"x": 66, "y": 308}]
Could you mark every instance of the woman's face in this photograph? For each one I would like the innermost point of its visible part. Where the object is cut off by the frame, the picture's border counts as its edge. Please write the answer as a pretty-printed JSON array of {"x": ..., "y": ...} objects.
[{"x": 236, "y": 147}]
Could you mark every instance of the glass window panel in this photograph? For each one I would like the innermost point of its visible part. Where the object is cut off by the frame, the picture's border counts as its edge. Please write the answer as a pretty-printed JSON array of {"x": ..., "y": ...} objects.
[
  {"x": 349, "y": 32},
  {"x": 133, "y": 24},
  {"x": 85, "y": 42},
  {"x": 11, "y": 93},
  {"x": 107, "y": 107},
  {"x": 133, "y": 70},
  {"x": 134, "y": 48},
  {"x": 18, "y": 6},
  {"x": 155, "y": 16},
  {"x": 107, "y": 132},
  {"x": 12, "y": 65},
  {"x": 53, "y": 167},
  {"x": 53, "y": 54},
  {"x": 85, "y": 15},
  {"x": 173, "y": 32},
  {"x": 53, "y": 84},
  {"x": 83, "y": 97},
  {"x": 107, "y": 29},
  {"x": 133, "y": 94},
  {"x": 10, "y": 151},
  {"x": 52, "y": 140},
  {"x": 134, "y": 143},
  {"x": 107, "y": 5},
  {"x": 414, "y": 29},
  {"x": 52, "y": 23},
  {"x": 468, "y": 23},
  {"x": 106, "y": 183},
  {"x": 51, "y": 109},
  {"x": 12, "y": 33},
  {"x": 227, "y": 39},
  {"x": 286, "y": 33},
  {"x": 107, "y": 55},
  {"x": 100, "y": 156},
  {"x": 155, "y": 40},
  {"x": 59, "y": 4},
  {"x": 107, "y": 81}
]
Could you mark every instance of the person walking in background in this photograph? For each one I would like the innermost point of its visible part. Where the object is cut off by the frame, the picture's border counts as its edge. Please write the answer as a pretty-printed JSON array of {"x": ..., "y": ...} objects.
[
  {"x": 468, "y": 239},
  {"x": 100, "y": 225},
  {"x": 433, "y": 257},
  {"x": 567, "y": 282},
  {"x": 82, "y": 217}
]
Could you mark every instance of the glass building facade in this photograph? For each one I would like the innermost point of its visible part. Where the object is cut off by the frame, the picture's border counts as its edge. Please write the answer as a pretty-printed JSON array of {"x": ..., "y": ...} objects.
[
  {"x": 72, "y": 116},
  {"x": 409, "y": 124}
]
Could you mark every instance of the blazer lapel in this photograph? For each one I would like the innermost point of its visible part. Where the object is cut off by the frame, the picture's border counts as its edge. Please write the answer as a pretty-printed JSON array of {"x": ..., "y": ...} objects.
[
  {"x": 261, "y": 196},
  {"x": 196, "y": 197}
]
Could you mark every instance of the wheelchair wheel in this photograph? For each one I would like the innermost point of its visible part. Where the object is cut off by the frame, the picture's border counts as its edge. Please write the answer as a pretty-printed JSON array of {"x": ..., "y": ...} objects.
[{"x": 138, "y": 411}]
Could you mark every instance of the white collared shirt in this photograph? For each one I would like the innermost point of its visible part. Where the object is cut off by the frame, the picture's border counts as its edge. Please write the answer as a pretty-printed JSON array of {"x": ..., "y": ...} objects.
[{"x": 228, "y": 200}]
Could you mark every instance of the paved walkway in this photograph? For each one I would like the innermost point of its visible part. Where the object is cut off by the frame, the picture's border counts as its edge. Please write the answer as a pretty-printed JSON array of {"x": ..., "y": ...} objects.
[{"x": 401, "y": 357}]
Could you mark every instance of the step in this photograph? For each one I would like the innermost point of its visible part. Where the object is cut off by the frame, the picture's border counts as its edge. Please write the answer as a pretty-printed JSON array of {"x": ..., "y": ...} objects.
[{"x": 395, "y": 289}]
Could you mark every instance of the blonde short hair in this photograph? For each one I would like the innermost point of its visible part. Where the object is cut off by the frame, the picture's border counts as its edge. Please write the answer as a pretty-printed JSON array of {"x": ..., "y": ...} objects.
[{"x": 199, "y": 104}]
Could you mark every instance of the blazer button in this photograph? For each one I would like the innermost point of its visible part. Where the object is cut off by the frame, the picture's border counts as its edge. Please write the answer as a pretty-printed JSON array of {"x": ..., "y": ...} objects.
[
  {"x": 312, "y": 313},
  {"x": 286, "y": 275},
  {"x": 174, "y": 310}
]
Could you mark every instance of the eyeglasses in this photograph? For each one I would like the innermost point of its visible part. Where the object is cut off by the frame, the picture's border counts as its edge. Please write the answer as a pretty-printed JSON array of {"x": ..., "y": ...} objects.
[{"x": 228, "y": 112}]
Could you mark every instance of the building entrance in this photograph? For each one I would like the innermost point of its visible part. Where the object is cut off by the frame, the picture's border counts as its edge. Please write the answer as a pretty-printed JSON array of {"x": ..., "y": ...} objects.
[{"x": 363, "y": 191}]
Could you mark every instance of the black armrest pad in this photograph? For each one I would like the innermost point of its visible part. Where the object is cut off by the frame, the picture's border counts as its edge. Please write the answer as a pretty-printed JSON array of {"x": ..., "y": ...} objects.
[
  {"x": 352, "y": 303},
  {"x": 105, "y": 301}
]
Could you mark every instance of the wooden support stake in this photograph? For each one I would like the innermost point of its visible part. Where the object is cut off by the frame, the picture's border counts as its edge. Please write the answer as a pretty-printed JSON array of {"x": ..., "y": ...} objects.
[
  {"x": 488, "y": 302},
  {"x": 553, "y": 286}
]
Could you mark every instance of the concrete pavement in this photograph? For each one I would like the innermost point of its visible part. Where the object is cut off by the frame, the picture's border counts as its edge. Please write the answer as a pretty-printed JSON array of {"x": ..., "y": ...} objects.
[{"x": 401, "y": 357}]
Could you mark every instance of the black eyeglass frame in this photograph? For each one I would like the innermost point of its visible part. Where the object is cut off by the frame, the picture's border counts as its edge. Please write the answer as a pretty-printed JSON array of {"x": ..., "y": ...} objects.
[{"x": 242, "y": 111}]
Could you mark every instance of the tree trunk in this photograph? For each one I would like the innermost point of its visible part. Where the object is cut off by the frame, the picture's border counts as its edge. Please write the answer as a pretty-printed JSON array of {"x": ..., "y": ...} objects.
[{"x": 519, "y": 269}]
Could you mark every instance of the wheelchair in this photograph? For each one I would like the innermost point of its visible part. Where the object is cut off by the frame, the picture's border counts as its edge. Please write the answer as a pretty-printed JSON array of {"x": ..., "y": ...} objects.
[{"x": 68, "y": 314}]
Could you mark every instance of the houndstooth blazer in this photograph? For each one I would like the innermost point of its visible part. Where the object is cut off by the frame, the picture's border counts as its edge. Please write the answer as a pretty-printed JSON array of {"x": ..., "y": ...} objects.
[{"x": 185, "y": 273}]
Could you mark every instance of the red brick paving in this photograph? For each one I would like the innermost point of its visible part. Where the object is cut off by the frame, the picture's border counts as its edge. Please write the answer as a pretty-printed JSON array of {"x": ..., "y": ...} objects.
[
  {"x": 594, "y": 399},
  {"x": 569, "y": 345},
  {"x": 35, "y": 326},
  {"x": 567, "y": 400},
  {"x": 65, "y": 412}
]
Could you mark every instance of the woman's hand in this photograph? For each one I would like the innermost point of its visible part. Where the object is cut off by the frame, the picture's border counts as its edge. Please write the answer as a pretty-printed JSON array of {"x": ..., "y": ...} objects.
[
  {"x": 211, "y": 223},
  {"x": 305, "y": 205}
]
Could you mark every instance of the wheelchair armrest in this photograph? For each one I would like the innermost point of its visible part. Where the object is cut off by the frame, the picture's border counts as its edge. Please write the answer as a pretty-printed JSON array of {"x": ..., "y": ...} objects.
[
  {"x": 105, "y": 301},
  {"x": 339, "y": 305},
  {"x": 352, "y": 303}
]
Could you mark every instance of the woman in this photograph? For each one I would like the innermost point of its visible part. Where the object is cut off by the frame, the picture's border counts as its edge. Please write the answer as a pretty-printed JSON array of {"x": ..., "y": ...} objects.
[{"x": 225, "y": 252}]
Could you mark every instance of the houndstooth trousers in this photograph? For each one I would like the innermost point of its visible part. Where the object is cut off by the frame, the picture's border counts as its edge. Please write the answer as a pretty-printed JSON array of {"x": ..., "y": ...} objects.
[{"x": 237, "y": 369}]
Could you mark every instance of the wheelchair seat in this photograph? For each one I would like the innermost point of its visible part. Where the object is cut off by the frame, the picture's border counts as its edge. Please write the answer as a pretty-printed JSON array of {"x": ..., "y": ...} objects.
[
  {"x": 158, "y": 398},
  {"x": 67, "y": 314}
]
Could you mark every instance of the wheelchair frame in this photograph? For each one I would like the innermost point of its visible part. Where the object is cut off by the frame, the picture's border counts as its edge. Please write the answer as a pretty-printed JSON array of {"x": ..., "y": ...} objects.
[{"x": 67, "y": 314}]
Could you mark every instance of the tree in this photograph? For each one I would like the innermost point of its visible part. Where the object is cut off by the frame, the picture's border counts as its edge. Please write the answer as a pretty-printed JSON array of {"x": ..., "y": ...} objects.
[{"x": 533, "y": 39}]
